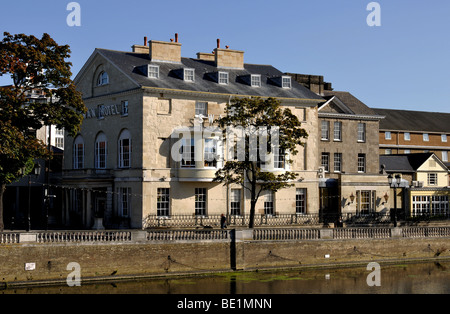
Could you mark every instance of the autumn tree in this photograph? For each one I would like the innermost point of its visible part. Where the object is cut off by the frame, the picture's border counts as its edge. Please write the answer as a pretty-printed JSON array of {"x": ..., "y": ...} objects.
[
  {"x": 34, "y": 65},
  {"x": 267, "y": 134}
]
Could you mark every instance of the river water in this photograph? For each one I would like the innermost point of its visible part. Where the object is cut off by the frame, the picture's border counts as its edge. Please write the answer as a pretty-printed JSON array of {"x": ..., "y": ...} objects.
[{"x": 420, "y": 278}]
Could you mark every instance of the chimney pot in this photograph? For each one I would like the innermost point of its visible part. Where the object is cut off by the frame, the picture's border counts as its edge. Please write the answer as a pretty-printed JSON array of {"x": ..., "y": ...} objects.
[
  {"x": 218, "y": 42},
  {"x": 145, "y": 41},
  {"x": 227, "y": 47},
  {"x": 176, "y": 37}
]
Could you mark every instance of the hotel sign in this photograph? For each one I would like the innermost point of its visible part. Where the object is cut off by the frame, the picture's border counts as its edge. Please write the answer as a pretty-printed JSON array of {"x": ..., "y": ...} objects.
[{"x": 102, "y": 111}]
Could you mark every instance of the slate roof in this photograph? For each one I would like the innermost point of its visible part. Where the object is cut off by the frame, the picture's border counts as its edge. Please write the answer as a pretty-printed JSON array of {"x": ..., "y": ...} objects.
[
  {"x": 420, "y": 121},
  {"x": 404, "y": 162},
  {"x": 132, "y": 64},
  {"x": 353, "y": 103}
]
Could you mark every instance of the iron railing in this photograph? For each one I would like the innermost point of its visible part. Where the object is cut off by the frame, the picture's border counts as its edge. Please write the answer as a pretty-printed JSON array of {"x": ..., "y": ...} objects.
[{"x": 349, "y": 219}]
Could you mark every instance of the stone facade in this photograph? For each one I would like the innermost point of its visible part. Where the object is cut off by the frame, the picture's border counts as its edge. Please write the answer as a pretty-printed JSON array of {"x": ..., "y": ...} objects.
[{"x": 124, "y": 183}]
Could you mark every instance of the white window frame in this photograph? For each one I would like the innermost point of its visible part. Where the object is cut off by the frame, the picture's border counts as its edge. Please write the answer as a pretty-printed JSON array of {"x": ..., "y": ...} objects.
[
  {"x": 124, "y": 105},
  {"x": 286, "y": 82},
  {"x": 325, "y": 130},
  {"x": 325, "y": 161},
  {"x": 101, "y": 151},
  {"x": 269, "y": 208},
  {"x": 153, "y": 71},
  {"x": 337, "y": 131},
  {"x": 279, "y": 158},
  {"x": 59, "y": 142},
  {"x": 103, "y": 79},
  {"x": 445, "y": 156},
  {"x": 201, "y": 108},
  {"x": 187, "y": 153},
  {"x": 300, "y": 201},
  {"x": 210, "y": 153},
  {"x": 124, "y": 201},
  {"x": 407, "y": 136},
  {"x": 387, "y": 135},
  {"x": 426, "y": 137},
  {"x": 361, "y": 163},
  {"x": 124, "y": 156},
  {"x": 223, "y": 78},
  {"x": 78, "y": 153},
  {"x": 365, "y": 201},
  {"x": 420, "y": 205},
  {"x": 444, "y": 138},
  {"x": 255, "y": 80},
  {"x": 201, "y": 197},
  {"x": 189, "y": 75},
  {"x": 337, "y": 162},
  {"x": 432, "y": 179},
  {"x": 361, "y": 132},
  {"x": 163, "y": 202},
  {"x": 235, "y": 202}
]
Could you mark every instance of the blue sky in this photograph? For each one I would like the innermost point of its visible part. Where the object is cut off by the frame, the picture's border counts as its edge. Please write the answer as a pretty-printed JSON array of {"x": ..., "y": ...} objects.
[{"x": 402, "y": 64}]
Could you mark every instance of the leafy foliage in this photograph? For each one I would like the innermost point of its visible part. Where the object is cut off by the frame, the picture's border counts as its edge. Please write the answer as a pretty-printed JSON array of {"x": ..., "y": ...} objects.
[
  {"x": 37, "y": 65},
  {"x": 254, "y": 114}
]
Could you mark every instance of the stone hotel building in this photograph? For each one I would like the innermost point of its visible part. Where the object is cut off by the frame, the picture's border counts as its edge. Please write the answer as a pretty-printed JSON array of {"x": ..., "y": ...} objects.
[{"x": 120, "y": 165}]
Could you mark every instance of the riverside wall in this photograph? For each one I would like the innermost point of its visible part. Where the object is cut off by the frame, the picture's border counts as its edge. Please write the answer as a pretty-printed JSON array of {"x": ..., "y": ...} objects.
[{"x": 34, "y": 259}]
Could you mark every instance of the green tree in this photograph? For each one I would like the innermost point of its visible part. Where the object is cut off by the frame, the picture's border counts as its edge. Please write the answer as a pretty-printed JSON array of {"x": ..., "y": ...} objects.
[
  {"x": 253, "y": 115},
  {"x": 34, "y": 65}
]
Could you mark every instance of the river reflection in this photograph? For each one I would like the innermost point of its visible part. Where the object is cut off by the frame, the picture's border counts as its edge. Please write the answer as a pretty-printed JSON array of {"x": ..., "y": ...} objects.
[{"x": 402, "y": 279}]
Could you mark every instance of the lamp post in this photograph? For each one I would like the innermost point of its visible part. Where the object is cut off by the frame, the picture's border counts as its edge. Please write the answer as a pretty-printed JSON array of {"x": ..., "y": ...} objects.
[
  {"x": 36, "y": 171},
  {"x": 394, "y": 182}
]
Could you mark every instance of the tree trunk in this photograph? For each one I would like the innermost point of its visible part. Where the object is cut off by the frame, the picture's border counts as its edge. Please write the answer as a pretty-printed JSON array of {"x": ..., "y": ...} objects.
[
  {"x": 2, "y": 190},
  {"x": 251, "y": 223}
]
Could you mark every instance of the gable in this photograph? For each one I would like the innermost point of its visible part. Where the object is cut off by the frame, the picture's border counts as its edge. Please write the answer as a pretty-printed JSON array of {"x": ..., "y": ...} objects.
[
  {"x": 432, "y": 164},
  {"x": 86, "y": 80},
  {"x": 335, "y": 105}
]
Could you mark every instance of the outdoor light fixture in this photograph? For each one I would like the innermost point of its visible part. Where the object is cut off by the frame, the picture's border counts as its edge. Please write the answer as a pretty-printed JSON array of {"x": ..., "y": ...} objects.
[
  {"x": 394, "y": 182},
  {"x": 352, "y": 197}
]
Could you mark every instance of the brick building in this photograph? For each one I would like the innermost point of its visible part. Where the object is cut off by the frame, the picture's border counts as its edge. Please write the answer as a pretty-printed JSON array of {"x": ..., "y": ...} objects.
[{"x": 406, "y": 132}]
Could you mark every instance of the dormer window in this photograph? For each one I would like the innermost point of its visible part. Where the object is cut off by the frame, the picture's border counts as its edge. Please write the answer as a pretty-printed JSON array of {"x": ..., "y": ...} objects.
[
  {"x": 189, "y": 75},
  {"x": 286, "y": 82},
  {"x": 223, "y": 78},
  {"x": 255, "y": 80},
  {"x": 153, "y": 71},
  {"x": 103, "y": 79}
]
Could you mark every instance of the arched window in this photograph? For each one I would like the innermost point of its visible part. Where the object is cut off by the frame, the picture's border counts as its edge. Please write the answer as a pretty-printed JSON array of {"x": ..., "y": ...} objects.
[
  {"x": 125, "y": 149},
  {"x": 100, "y": 151},
  {"x": 103, "y": 79},
  {"x": 78, "y": 153}
]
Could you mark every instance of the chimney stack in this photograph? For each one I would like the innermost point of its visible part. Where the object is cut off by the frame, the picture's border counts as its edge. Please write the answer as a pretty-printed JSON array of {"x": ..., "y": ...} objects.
[
  {"x": 141, "y": 48},
  {"x": 165, "y": 51},
  {"x": 227, "y": 58}
]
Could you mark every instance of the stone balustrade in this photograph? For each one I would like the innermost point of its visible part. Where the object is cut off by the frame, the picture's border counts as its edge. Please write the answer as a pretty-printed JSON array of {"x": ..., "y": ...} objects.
[{"x": 214, "y": 234}]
